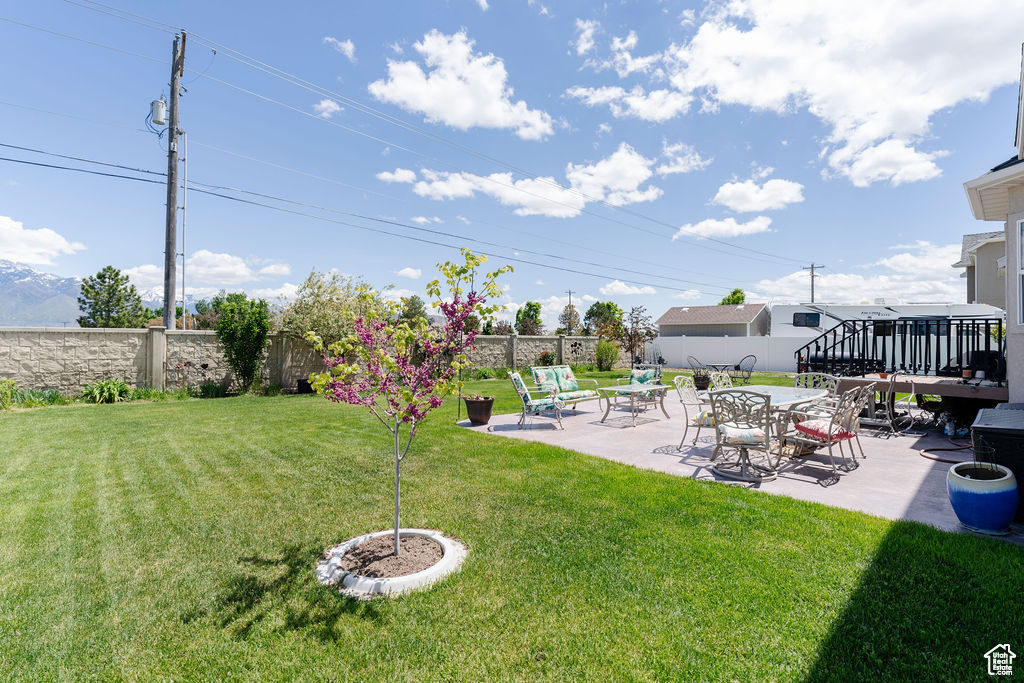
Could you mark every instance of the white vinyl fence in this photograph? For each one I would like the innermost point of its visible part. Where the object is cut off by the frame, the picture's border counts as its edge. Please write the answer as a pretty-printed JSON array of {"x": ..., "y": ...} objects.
[{"x": 773, "y": 353}]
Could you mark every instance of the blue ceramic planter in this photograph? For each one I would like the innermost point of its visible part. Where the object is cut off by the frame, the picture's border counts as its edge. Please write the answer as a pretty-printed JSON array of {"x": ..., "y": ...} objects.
[{"x": 985, "y": 505}]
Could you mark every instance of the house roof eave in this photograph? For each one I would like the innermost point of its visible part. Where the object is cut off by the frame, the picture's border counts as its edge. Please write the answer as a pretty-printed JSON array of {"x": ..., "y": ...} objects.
[{"x": 1004, "y": 178}]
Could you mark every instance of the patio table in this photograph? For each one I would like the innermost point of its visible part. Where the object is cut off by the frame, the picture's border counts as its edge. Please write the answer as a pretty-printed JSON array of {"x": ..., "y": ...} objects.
[
  {"x": 720, "y": 367},
  {"x": 635, "y": 392},
  {"x": 782, "y": 398}
]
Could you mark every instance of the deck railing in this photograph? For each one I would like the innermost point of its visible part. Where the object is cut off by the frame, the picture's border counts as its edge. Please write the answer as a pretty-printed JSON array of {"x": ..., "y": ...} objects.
[{"x": 920, "y": 346}]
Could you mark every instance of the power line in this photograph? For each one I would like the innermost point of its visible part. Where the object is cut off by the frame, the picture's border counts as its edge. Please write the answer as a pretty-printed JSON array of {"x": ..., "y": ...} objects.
[
  {"x": 363, "y": 227},
  {"x": 295, "y": 80},
  {"x": 83, "y": 40},
  {"x": 289, "y": 169}
]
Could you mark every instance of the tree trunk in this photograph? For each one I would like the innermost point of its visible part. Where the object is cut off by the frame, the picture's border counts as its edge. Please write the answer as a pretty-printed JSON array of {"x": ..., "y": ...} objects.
[{"x": 397, "y": 483}]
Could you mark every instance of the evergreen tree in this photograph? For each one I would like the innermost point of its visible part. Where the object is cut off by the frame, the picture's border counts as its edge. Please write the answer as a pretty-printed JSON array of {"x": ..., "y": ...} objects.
[
  {"x": 569, "y": 321},
  {"x": 108, "y": 299},
  {"x": 528, "y": 319}
]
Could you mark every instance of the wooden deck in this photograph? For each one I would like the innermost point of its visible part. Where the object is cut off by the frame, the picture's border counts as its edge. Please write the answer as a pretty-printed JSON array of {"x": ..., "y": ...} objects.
[{"x": 936, "y": 386}]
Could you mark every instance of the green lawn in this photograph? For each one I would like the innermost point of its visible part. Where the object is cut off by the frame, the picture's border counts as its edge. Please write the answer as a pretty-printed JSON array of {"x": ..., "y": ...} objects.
[{"x": 176, "y": 540}]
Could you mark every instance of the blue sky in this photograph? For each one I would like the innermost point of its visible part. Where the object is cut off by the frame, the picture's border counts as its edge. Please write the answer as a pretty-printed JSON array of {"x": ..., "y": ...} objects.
[{"x": 789, "y": 132}]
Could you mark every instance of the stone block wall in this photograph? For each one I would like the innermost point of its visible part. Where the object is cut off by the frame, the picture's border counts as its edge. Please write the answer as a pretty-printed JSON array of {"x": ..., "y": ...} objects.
[{"x": 68, "y": 359}]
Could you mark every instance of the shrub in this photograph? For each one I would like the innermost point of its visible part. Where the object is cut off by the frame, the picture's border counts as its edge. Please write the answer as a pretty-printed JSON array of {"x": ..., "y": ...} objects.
[
  {"x": 546, "y": 358},
  {"x": 327, "y": 303},
  {"x": 107, "y": 391},
  {"x": 607, "y": 355},
  {"x": 8, "y": 393},
  {"x": 243, "y": 328},
  {"x": 490, "y": 373},
  {"x": 37, "y": 398},
  {"x": 211, "y": 390},
  {"x": 580, "y": 368}
]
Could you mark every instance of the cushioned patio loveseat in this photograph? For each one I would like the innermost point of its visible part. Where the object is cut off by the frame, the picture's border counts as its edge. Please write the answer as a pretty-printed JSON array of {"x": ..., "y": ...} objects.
[{"x": 547, "y": 377}]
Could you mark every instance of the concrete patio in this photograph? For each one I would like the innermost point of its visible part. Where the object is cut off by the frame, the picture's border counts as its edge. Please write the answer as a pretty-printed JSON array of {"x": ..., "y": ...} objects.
[{"x": 894, "y": 481}]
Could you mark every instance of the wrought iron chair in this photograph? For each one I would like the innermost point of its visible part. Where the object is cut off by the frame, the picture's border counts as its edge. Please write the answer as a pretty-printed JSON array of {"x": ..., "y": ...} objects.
[
  {"x": 720, "y": 380},
  {"x": 892, "y": 412},
  {"x": 744, "y": 369},
  {"x": 536, "y": 406},
  {"x": 817, "y": 380},
  {"x": 743, "y": 422},
  {"x": 692, "y": 401},
  {"x": 866, "y": 395},
  {"x": 828, "y": 430}
]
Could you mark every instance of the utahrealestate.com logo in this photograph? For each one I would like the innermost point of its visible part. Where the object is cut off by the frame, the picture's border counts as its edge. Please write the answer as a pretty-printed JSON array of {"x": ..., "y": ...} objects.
[{"x": 1000, "y": 660}]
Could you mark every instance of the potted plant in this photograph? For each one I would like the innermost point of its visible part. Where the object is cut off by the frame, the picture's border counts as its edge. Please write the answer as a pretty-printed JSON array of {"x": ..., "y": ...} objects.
[
  {"x": 701, "y": 379},
  {"x": 983, "y": 494},
  {"x": 478, "y": 408}
]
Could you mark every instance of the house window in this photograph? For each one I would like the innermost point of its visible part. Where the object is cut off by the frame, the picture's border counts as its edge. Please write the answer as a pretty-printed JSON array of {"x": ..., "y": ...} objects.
[
  {"x": 809, "y": 319},
  {"x": 1020, "y": 272}
]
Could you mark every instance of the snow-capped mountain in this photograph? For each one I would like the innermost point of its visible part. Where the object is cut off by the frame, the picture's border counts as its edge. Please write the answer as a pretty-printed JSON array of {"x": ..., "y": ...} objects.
[{"x": 32, "y": 298}]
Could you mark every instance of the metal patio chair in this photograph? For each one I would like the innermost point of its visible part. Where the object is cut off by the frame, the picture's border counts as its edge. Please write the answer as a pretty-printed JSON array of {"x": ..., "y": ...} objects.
[
  {"x": 744, "y": 369},
  {"x": 536, "y": 406},
  {"x": 743, "y": 423},
  {"x": 696, "y": 411}
]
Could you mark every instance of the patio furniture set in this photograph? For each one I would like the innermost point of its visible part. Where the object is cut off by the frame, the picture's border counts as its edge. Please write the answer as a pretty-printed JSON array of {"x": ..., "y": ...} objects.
[{"x": 755, "y": 426}]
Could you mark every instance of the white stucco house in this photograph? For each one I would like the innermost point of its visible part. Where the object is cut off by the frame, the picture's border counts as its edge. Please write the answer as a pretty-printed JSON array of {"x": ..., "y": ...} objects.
[{"x": 998, "y": 196}]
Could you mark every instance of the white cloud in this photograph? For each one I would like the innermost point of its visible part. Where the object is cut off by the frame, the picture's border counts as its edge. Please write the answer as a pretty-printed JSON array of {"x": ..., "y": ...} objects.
[
  {"x": 38, "y": 246},
  {"x": 539, "y": 282},
  {"x": 399, "y": 175},
  {"x": 409, "y": 272},
  {"x": 483, "y": 4},
  {"x": 345, "y": 47},
  {"x": 285, "y": 292},
  {"x": 461, "y": 88},
  {"x": 144, "y": 276},
  {"x": 603, "y": 129},
  {"x": 748, "y": 196},
  {"x": 585, "y": 38},
  {"x": 918, "y": 273},
  {"x": 727, "y": 227},
  {"x": 892, "y": 160},
  {"x": 620, "y": 288},
  {"x": 464, "y": 220},
  {"x": 688, "y": 295},
  {"x": 657, "y": 105},
  {"x": 616, "y": 179},
  {"x": 221, "y": 269},
  {"x": 870, "y": 70},
  {"x": 396, "y": 48},
  {"x": 680, "y": 158},
  {"x": 397, "y": 293},
  {"x": 425, "y": 220},
  {"x": 623, "y": 60},
  {"x": 326, "y": 108},
  {"x": 276, "y": 270}
]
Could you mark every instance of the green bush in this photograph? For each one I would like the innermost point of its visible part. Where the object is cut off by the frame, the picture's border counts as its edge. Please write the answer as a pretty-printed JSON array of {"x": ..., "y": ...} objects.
[
  {"x": 490, "y": 373},
  {"x": 607, "y": 355},
  {"x": 546, "y": 358},
  {"x": 580, "y": 368},
  {"x": 149, "y": 394},
  {"x": 8, "y": 392},
  {"x": 107, "y": 391},
  {"x": 243, "y": 328},
  {"x": 37, "y": 398},
  {"x": 210, "y": 390}
]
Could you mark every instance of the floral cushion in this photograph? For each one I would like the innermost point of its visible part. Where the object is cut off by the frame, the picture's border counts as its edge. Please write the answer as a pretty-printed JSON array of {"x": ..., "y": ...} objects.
[
  {"x": 517, "y": 382},
  {"x": 645, "y": 376},
  {"x": 823, "y": 430},
  {"x": 738, "y": 436},
  {"x": 576, "y": 395},
  {"x": 539, "y": 405},
  {"x": 542, "y": 376},
  {"x": 566, "y": 380},
  {"x": 704, "y": 418}
]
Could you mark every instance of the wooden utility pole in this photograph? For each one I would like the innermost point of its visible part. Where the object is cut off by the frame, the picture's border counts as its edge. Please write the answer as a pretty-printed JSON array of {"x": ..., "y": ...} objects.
[
  {"x": 811, "y": 268},
  {"x": 171, "y": 227}
]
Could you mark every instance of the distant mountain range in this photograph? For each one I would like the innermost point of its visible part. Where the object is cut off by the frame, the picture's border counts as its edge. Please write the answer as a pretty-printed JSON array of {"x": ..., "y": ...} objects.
[{"x": 32, "y": 298}]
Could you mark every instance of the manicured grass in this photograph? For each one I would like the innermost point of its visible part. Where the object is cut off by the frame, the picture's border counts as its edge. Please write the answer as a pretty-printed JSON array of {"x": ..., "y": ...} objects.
[{"x": 176, "y": 540}]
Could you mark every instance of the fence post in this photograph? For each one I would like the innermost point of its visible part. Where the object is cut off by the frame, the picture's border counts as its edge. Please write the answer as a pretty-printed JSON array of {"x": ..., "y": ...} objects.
[
  {"x": 157, "y": 357},
  {"x": 561, "y": 349},
  {"x": 513, "y": 350}
]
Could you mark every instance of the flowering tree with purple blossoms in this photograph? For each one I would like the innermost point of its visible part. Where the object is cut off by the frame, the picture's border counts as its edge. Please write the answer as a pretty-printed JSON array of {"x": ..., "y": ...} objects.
[{"x": 400, "y": 370}]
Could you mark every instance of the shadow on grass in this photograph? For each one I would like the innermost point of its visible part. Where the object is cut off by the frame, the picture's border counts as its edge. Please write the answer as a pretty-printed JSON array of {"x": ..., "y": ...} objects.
[
  {"x": 928, "y": 607},
  {"x": 282, "y": 589}
]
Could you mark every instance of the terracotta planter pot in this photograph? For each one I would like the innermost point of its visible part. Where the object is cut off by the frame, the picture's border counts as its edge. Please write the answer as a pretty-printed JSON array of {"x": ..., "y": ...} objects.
[{"x": 479, "y": 409}]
